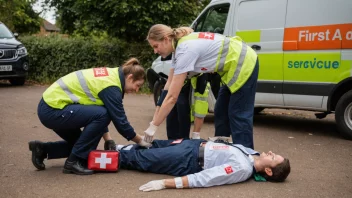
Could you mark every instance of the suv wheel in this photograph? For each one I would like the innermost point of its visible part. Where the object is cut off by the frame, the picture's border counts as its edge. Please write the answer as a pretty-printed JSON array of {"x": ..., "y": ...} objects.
[
  {"x": 17, "y": 81},
  {"x": 158, "y": 86},
  {"x": 343, "y": 115}
]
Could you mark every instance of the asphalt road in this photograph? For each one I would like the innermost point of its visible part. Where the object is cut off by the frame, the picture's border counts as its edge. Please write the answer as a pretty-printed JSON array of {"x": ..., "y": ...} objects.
[{"x": 320, "y": 158}]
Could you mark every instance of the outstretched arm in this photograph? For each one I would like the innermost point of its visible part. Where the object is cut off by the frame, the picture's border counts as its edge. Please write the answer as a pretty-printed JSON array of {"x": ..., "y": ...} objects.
[
  {"x": 218, "y": 175},
  {"x": 178, "y": 182}
]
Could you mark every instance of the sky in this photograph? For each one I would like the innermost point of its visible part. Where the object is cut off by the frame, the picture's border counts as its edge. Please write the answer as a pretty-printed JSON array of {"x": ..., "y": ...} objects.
[{"x": 49, "y": 15}]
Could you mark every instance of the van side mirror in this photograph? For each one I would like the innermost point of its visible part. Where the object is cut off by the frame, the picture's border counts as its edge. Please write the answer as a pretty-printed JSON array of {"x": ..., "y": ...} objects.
[
  {"x": 15, "y": 34},
  {"x": 169, "y": 57}
]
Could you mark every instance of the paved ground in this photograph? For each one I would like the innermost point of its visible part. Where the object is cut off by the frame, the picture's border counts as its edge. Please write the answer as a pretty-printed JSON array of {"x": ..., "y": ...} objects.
[{"x": 320, "y": 158}]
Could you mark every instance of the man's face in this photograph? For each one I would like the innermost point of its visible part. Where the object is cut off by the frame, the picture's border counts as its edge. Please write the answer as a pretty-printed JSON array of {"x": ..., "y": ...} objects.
[{"x": 270, "y": 159}]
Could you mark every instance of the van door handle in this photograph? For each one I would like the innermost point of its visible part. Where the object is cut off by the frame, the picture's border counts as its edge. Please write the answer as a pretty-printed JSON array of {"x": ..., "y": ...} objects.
[{"x": 256, "y": 47}]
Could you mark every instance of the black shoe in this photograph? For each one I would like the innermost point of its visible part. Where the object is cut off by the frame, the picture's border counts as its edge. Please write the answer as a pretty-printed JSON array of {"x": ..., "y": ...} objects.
[
  {"x": 38, "y": 154},
  {"x": 76, "y": 167}
]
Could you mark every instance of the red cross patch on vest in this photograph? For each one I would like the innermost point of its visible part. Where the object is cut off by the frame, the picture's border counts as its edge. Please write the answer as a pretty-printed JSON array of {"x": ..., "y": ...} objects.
[
  {"x": 206, "y": 35},
  {"x": 99, "y": 72},
  {"x": 228, "y": 170}
]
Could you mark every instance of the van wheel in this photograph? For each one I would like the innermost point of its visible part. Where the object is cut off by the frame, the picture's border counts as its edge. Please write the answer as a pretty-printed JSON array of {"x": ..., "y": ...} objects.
[
  {"x": 17, "y": 81},
  {"x": 257, "y": 110},
  {"x": 158, "y": 86},
  {"x": 343, "y": 115}
]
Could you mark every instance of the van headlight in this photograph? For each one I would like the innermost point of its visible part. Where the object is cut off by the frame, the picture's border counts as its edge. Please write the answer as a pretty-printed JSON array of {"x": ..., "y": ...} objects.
[{"x": 21, "y": 51}]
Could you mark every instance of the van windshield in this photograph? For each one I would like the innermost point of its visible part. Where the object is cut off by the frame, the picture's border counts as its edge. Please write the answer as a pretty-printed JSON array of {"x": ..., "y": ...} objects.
[
  {"x": 4, "y": 32},
  {"x": 213, "y": 20}
]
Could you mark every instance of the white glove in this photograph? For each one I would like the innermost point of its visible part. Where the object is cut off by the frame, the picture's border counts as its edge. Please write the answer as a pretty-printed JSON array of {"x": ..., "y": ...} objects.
[
  {"x": 153, "y": 185},
  {"x": 144, "y": 143},
  {"x": 195, "y": 135},
  {"x": 149, "y": 133}
]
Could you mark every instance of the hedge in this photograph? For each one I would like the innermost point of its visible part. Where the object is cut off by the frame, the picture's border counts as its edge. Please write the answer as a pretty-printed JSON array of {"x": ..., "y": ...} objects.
[{"x": 54, "y": 56}]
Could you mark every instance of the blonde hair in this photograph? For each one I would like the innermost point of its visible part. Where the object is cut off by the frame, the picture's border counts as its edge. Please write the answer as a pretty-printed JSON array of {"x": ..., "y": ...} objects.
[
  {"x": 159, "y": 31},
  {"x": 132, "y": 66}
]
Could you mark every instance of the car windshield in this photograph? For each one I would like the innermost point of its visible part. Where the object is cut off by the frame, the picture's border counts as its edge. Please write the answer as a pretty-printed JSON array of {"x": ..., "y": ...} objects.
[{"x": 4, "y": 32}]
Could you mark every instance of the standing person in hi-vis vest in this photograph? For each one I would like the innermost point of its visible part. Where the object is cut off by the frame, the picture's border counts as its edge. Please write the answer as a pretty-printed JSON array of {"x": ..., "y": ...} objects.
[
  {"x": 191, "y": 106},
  {"x": 88, "y": 99},
  {"x": 204, "y": 52}
]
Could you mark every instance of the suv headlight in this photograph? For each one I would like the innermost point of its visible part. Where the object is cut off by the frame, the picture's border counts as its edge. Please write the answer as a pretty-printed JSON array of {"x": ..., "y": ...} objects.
[{"x": 21, "y": 51}]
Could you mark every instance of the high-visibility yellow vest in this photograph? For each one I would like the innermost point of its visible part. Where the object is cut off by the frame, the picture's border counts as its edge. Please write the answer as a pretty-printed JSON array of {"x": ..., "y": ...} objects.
[
  {"x": 81, "y": 87},
  {"x": 199, "y": 102},
  {"x": 235, "y": 62}
]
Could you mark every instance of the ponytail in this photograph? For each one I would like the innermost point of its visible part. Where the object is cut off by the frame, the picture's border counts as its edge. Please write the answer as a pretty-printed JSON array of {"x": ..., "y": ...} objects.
[
  {"x": 181, "y": 32},
  {"x": 132, "y": 66},
  {"x": 159, "y": 31}
]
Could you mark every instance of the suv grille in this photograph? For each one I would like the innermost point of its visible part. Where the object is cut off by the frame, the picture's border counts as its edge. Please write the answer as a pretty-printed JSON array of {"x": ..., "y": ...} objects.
[{"x": 8, "y": 54}]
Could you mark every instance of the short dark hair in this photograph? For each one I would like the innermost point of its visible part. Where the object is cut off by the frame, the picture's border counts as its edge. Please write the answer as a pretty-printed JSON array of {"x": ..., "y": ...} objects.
[{"x": 280, "y": 172}]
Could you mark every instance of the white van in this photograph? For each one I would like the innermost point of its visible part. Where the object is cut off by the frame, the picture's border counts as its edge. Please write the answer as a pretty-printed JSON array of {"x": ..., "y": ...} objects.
[{"x": 304, "y": 49}]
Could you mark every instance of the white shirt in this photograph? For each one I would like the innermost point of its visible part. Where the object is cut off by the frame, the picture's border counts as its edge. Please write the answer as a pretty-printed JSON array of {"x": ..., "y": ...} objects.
[
  {"x": 197, "y": 55},
  {"x": 223, "y": 164}
]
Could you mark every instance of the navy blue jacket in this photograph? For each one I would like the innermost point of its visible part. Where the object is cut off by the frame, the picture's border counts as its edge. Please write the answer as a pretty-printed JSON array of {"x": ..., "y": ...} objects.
[{"x": 112, "y": 98}]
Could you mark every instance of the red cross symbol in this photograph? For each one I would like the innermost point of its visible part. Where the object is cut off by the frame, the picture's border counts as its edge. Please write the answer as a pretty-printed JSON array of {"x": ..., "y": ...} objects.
[
  {"x": 228, "y": 170},
  {"x": 206, "y": 35},
  {"x": 102, "y": 71}
]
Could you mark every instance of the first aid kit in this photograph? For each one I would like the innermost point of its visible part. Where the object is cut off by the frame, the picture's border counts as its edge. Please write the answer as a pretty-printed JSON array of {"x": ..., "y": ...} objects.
[{"x": 99, "y": 160}]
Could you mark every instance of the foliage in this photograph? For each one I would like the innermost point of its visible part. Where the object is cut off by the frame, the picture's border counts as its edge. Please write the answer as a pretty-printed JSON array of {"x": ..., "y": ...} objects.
[
  {"x": 125, "y": 19},
  {"x": 53, "y": 57},
  {"x": 19, "y": 16}
]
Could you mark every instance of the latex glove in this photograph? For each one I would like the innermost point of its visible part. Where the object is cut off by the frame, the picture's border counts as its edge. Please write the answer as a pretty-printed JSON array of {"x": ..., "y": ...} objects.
[
  {"x": 144, "y": 143},
  {"x": 195, "y": 135},
  {"x": 149, "y": 133},
  {"x": 153, "y": 185},
  {"x": 110, "y": 145}
]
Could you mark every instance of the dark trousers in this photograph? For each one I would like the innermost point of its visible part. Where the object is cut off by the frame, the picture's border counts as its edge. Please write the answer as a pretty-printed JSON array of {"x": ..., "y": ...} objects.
[
  {"x": 178, "y": 122},
  {"x": 67, "y": 123},
  {"x": 164, "y": 158},
  {"x": 233, "y": 114}
]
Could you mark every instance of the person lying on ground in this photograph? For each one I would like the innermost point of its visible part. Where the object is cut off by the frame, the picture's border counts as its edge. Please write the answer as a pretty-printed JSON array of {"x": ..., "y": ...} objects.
[{"x": 201, "y": 163}]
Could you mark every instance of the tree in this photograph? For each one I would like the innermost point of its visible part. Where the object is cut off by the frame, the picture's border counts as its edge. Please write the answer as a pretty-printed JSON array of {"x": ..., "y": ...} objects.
[
  {"x": 125, "y": 19},
  {"x": 19, "y": 15}
]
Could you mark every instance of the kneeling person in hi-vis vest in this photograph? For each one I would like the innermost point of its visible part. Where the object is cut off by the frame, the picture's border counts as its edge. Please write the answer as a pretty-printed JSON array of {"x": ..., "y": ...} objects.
[
  {"x": 204, "y": 52},
  {"x": 191, "y": 106},
  {"x": 88, "y": 99}
]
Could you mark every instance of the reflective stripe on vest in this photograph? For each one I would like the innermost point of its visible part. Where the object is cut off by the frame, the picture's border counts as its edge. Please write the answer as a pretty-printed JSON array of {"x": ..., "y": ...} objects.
[
  {"x": 222, "y": 55},
  {"x": 64, "y": 87},
  {"x": 199, "y": 102},
  {"x": 235, "y": 60},
  {"x": 239, "y": 64},
  {"x": 84, "y": 85},
  {"x": 200, "y": 98},
  {"x": 81, "y": 87}
]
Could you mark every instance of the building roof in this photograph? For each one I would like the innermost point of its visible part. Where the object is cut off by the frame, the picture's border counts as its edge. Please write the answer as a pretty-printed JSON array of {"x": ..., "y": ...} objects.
[{"x": 50, "y": 27}]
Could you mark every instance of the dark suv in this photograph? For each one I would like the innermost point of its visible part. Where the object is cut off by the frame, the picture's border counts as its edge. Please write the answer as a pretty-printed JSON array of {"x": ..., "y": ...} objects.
[{"x": 14, "y": 62}]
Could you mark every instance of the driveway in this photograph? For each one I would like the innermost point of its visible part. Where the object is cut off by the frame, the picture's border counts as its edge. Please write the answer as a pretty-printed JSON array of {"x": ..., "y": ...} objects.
[{"x": 320, "y": 158}]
